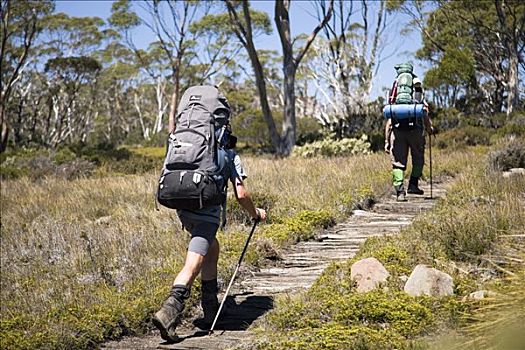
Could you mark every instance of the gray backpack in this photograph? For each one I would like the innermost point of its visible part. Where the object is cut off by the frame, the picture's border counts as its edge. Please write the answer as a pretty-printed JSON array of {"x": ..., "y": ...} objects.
[{"x": 191, "y": 177}]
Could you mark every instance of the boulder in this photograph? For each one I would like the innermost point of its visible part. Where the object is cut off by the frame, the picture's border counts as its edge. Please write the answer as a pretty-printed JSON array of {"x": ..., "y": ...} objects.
[
  {"x": 426, "y": 280},
  {"x": 368, "y": 274}
]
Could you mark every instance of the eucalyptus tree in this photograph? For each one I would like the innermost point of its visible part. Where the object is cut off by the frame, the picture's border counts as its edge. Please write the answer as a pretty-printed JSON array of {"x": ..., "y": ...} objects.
[
  {"x": 346, "y": 61},
  {"x": 489, "y": 34},
  {"x": 116, "y": 119},
  {"x": 72, "y": 81},
  {"x": 74, "y": 50},
  {"x": 20, "y": 25},
  {"x": 283, "y": 142},
  {"x": 187, "y": 45}
]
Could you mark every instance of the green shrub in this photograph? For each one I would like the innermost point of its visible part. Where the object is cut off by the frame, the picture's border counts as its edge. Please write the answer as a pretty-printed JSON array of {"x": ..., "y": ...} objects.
[
  {"x": 446, "y": 118},
  {"x": 511, "y": 155},
  {"x": 298, "y": 228},
  {"x": 395, "y": 259},
  {"x": 63, "y": 155},
  {"x": 462, "y": 137},
  {"x": 377, "y": 141},
  {"x": 515, "y": 126},
  {"x": 8, "y": 171},
  {"x": 342, "y": 319}
]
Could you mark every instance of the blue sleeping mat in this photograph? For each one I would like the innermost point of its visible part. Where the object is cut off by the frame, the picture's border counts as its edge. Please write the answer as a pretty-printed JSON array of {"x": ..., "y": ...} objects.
[{"x": 404, "y": 111}]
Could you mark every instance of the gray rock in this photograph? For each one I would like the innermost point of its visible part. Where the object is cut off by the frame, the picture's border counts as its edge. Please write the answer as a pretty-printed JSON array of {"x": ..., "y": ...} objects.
[
  {"x": 426, "y": 280},
  {"x": 104, "y": 220},
  {"x": 513, "y": 172},
  {"x": 368, "y": 274},
  {"x": 479, "y": 295}
]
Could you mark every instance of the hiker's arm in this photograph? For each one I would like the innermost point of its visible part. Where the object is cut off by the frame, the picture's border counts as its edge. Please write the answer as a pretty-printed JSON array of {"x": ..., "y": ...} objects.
[
  {"x": 244, "y": 199},
  {"x": 388, "y": 127}
]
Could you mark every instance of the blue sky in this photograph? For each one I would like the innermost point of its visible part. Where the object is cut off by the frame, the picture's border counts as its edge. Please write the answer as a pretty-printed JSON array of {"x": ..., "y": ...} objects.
[{"x": 399, "y": 49}]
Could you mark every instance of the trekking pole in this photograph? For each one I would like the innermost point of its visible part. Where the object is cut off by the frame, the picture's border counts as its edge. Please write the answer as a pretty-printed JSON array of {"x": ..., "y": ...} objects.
[
  {"x": 430, "y": 156},
  {"x": 256, "y": 221}
]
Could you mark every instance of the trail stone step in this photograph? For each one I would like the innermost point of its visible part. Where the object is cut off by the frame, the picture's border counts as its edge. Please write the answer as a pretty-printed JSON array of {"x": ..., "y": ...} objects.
[{"x": 297, "y": 269}]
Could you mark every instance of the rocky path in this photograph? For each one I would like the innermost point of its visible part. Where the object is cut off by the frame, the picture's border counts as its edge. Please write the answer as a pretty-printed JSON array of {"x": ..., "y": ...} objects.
[{"x": 253, "y": 296}]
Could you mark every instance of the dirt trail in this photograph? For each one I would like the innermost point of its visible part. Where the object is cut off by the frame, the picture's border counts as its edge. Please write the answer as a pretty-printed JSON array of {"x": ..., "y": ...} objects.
[{"x": 301, "y": 265}]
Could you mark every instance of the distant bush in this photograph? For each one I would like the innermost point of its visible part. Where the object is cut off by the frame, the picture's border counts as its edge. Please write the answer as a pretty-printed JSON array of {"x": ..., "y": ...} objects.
[
  {"x": 447, "y": 118},
  {"x": 40, "y": 163},
  {"x": 464, "y": 136},
  {"x": 308, "y": 130},
  {"x": 334, "y": 148},
  {"x": 78, "y": 161},
  {"x": 512, "y": 155},
  {"x": 514, "y": 126},
  {"x": 377, "y": 141}
]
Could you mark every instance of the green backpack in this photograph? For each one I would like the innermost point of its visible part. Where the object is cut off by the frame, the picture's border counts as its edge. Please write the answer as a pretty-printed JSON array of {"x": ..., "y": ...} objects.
[{"x": 404, "y": 83}]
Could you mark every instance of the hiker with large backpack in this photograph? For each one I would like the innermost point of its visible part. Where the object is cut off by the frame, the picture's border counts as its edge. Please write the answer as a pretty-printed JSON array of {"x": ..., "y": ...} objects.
[
  {"x": 406, "y": 121},
  {"x": 199, "y": 163}
]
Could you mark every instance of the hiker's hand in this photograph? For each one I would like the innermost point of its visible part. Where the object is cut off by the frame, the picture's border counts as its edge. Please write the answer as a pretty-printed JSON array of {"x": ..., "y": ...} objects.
[
  {"x": 387, "y": 148},
  {"x": 431, "y": 130},
  {"x": 261, "y": 214}
]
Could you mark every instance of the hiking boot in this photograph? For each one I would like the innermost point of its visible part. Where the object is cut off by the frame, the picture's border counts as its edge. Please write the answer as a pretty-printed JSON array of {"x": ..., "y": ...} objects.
[
  {"x": 400, "y": 193},
  {"x": 168, "y": 317},
  {"x": 209, "y": 301},
  {"x": 413, "y": 187}
]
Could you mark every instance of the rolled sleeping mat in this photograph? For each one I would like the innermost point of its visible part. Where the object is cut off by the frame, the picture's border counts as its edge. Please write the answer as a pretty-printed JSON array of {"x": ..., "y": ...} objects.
[{"x": 404, "y": 111}]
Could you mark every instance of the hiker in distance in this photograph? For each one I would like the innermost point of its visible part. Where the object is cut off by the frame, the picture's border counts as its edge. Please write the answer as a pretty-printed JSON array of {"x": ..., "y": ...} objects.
[
  {"x": 199, "y": 163},
  {"x": 406, "y": 122}
]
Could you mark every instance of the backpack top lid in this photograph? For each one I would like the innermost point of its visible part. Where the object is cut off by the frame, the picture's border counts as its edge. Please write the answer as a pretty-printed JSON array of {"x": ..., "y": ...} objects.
[
  {"x": 210, "y": 98},
  {"x": 404, "y": 68}
]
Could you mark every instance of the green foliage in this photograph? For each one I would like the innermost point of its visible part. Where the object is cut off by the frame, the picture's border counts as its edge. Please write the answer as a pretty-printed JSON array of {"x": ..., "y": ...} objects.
[
  {"x": 462, "y": 137},
  {"x": 298, "y": 228},
  {"x": 333, "y": 336},
  {"x": 334, "y": 317},
  {"x": 67, "y": 66},
  {"x": 64, "y": 155},
  {"x": 456, "y": 67},
  {"x": 395, "y": 259},
  {"x": 79, "y": 326},
  {"x": 122, "y": 16},
  {"x": 308, "y": 130},
  {"x": 459, "y": 37},
  {"x": 333, "y": 148},
  {"x": 249, "y": 126}
]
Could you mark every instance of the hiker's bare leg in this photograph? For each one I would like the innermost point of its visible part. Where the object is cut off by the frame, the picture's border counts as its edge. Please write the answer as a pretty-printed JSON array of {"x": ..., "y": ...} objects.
[
  {"x": 192, "y": 268},
  {"x": 209, "y": 266}
]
